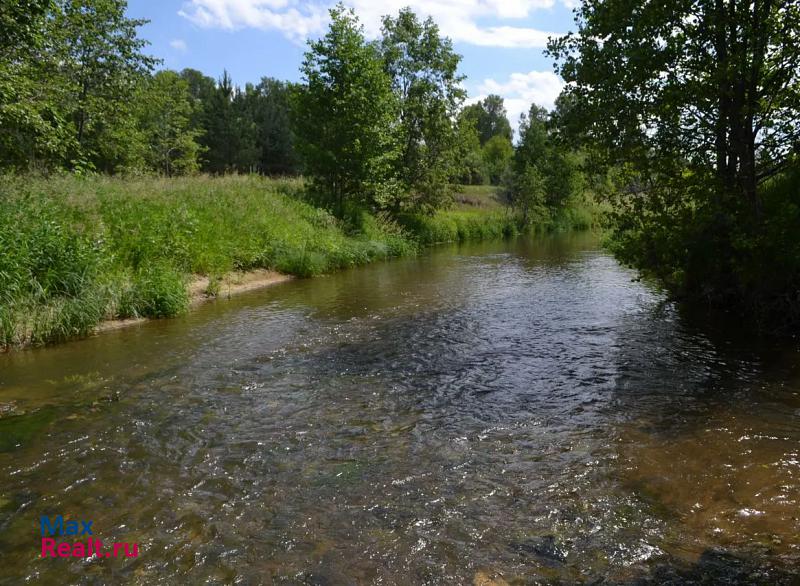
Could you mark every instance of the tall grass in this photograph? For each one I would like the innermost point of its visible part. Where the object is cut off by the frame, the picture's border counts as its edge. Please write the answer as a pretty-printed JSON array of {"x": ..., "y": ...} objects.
[
  {"x": 460, "y": 225},
  {"x": 75, "y": 251},
  {"x": 579, "y": 213},
  {"x": 469, "y": 221}
]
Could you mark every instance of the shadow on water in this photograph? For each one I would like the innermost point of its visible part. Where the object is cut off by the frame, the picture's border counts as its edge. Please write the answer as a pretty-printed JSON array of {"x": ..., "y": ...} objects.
[
  {"x": 718, "y": 567},
  {"x": 520, "y": 411},
  {"x": 707, "y": 433}
]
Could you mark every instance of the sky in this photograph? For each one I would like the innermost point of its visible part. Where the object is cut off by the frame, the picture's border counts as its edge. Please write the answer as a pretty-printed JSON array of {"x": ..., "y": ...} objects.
[{"x": 501, "y": 41}]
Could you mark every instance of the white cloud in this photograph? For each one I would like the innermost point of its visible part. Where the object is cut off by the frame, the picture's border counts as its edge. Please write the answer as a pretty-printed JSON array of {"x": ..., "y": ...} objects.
[
  {"x": 296, "y": 20},
  {"x": 300, "y": 19},
  {"x": 459, "y": 19},
  {"x": 507, "y": 36},
  {"x": 179, "y": 45},
  {"x": 539, "y": 87},
  {"x": 521, "y": 90}
]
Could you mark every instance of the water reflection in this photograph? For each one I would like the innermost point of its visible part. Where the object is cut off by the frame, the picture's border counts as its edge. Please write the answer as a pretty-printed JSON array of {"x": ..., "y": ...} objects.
[{"x": 505, "y": 412}]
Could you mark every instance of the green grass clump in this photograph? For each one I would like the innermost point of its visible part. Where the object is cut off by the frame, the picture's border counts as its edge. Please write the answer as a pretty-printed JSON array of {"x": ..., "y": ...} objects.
[
  {"x": 49, "y": 268},
  {"x": 578, "y": 213},
  {"x": 460, "y": 225},
  {"x": 155, "y": 291}
]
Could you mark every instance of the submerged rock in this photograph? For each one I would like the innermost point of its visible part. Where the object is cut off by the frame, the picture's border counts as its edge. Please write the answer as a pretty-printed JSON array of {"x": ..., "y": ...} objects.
[{"x": 545, "y": 548}]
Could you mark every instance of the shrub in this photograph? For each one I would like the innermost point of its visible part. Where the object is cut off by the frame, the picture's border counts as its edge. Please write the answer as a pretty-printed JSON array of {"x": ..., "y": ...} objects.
[{"x": 155, "y": 291}]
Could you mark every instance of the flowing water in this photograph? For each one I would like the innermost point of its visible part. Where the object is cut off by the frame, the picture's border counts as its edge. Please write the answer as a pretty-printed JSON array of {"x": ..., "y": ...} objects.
[{"x": 520, "y": 412}]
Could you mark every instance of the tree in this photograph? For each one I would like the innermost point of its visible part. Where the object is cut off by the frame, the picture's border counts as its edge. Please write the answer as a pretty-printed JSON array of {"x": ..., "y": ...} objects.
[
  {"x": 696, "y": 104},
  {"x": 243, "y": 130},
  {"x": 221, "y": 139},
  {"x": 165, "y": 115},
  {"x": 268, "y": 107},
  {"x": 344, "y": 116},
  {"x": 201, "y": 90},
  {"x": 472, "y": 168},
  {"x": 423, "y": 68},
  {"x": 98, "y": 65},
  {"x": 489, "y": 118},
  {"x": 534, "y": 142},
  {"x": 528, "y": 193},
  {"x": 21, "y": 25},
  {"x": 33, "y": 130},
  {"x": 544, "y": 173},
  {"x": 706, "y": 85},
  {"x": 497, "y": 153},
  {"x": 557, "y": 168}
]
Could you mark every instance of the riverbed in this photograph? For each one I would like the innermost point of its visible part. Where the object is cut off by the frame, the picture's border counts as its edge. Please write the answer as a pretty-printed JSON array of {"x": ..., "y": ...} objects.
[{"x": 512, "y": 412}]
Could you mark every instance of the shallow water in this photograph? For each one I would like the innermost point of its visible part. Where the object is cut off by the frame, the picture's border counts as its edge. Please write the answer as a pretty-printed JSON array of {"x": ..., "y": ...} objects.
[{"x": 518, "y": 411}]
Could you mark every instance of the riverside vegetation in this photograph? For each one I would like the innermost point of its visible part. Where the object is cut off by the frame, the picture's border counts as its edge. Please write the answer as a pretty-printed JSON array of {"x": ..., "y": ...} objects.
[
  {"x": 694, "y": 108},
  {"x": 685, "y": 128},
  {"x": 77, "y": 251},
  {"x": 103, "y": 214}
]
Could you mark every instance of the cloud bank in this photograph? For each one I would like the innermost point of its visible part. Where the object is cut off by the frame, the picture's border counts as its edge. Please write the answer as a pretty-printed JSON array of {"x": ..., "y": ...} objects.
[{"x": 461, "y": 20}]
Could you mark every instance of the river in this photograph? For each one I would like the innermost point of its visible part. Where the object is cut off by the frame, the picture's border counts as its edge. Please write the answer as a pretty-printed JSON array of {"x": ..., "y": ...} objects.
[{"x": 512, "y": 412}]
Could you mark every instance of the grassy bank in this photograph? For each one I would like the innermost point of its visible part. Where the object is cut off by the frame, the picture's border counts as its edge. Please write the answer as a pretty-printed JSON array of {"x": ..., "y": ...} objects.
[
  {"x": 78, "y": 251},
  {"x": 480, "y": 212}
]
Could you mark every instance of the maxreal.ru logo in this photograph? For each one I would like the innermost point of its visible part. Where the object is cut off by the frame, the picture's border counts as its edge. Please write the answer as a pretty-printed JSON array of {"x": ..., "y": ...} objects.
[{"x": 86, "y": 546}]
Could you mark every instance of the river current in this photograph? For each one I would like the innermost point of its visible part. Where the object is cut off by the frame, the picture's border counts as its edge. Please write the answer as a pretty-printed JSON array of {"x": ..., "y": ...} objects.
[{"x": 516, "y": 412}]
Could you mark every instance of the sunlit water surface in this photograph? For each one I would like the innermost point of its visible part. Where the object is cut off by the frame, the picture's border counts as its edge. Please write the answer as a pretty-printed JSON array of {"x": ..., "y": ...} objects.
[{"x": 519, "y": 412}]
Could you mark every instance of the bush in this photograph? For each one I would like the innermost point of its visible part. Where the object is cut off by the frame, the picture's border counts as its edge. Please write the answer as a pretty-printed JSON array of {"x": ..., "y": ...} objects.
[
  {"x": 724, "y": 257},
  {"x": 155, "y": 291}
]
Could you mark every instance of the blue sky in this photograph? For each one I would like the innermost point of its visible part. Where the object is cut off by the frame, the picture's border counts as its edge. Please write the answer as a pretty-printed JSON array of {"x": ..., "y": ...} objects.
[{"x": 501, "y": 41}]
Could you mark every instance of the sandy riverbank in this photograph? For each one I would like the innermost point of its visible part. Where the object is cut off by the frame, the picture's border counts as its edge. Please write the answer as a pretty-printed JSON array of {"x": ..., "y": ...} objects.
[{"x": 202, "y": 290}]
